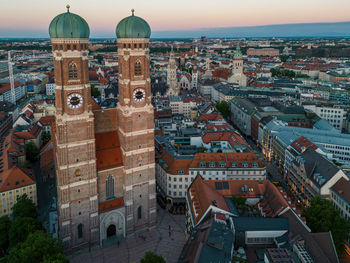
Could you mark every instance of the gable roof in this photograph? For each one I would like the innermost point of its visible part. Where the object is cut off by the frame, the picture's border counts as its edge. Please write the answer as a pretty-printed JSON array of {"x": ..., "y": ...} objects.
[
  {"x": 342, "y": 189},
  {"x": 15, "y": 178},
  {"x": 317, "y": 168},
  {"x": 201, "y": 197},
  {"x": 108, "y": 152}
]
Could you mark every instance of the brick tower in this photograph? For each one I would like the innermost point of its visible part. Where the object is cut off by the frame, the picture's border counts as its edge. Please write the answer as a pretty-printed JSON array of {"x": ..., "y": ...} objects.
[
  {"x": 73, "y": 135},
  {"x": 136, "y": 124}
]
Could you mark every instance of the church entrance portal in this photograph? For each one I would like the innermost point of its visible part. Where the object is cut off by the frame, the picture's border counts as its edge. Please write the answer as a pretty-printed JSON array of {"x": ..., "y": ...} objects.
[{"x": 111, "y": 231}]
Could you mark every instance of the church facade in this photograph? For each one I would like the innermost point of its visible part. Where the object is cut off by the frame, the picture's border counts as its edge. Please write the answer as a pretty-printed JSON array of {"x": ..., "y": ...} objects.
[
  {"x": 104, "y": 159},
  {"x": 238, "y": 75}
]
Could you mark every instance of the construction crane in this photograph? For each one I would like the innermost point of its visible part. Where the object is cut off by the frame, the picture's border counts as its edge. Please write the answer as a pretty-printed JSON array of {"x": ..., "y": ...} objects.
[{"x": 12, "y": 84}]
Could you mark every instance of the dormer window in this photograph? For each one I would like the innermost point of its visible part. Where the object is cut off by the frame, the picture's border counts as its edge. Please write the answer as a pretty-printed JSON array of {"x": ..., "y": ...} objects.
[
  {"x": 222, "y": 164},
  {"x": 202, "y": 164},
  {"x": 212, "y": 164}
]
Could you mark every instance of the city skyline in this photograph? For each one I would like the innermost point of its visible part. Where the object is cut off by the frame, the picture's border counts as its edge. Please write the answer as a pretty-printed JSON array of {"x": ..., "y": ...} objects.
[{"x": 194, "y": 15}]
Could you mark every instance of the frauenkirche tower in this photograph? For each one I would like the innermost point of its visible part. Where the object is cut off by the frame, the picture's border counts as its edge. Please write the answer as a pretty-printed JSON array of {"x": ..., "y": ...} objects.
[{"x": 104, "y": 159}]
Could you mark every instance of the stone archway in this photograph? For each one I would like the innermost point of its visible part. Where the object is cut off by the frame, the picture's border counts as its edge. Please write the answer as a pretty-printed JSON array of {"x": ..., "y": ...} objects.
[
  {"x": 111, "y": 231},
  {"x": 112, "y": 225}
]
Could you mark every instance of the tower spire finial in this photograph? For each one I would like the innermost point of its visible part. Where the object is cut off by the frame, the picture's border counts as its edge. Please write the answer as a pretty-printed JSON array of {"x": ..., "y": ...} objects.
[
  {"x": 132, "y": 11},
  {"x": 67, "y": 6}
]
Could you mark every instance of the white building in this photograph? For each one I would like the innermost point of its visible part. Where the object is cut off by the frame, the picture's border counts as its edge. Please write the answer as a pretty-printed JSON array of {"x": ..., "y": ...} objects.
[
  {"x": 237, "y": 75},
  {"x": 333, "y": 115},
  {"x": 50, "y": 89},
  {"x": 171, "y": 76}
]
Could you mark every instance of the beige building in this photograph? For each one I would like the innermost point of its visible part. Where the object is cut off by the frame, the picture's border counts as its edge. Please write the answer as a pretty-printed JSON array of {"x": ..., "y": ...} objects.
[
  {"x": 14, "y": 183},
  {"x": 264, "y": 52},
  {"x": 310, "y": 175}
]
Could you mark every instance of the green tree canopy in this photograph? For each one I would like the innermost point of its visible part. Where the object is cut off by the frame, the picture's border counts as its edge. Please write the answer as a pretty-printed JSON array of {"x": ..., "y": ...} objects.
[
  {"x": 21, "y": 227},
  {"x": 239, "y": 201},
  {"x": 24, "y": 207},
  {"x": 94, "y": 91},
  {"x": 5, "y": 224},
  {"x": 282, "y": 73},
  {"x": 38, "y": 247},
  {"x": 321, "y": 216},
  {"x": 223, "y": 108},
  {"x": 99, "y": 57},
  {"x": 151, "y": 257},
  {"x": 31, "y": 151},
  {"x": 45, "y": 137}
]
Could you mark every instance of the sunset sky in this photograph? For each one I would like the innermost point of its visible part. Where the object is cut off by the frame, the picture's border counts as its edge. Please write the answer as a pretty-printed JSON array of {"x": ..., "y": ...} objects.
[{"x": 31, "y": 18}]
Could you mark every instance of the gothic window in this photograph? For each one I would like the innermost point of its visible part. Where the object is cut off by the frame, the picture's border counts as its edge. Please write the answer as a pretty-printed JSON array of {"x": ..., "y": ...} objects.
[
  {"x": 80, "y": 230},
  {"x": 138, "y": 68},
  {"x": 72, "y": 71},
  {"x": 139, "y": 212},
  {"x": 110, "y": 187}
]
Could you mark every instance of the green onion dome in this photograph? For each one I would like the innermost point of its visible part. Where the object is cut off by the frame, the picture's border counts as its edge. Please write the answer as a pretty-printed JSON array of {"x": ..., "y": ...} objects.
[
  {"x": 69, "y": 25},
  {"x": 133, "y": 27}
]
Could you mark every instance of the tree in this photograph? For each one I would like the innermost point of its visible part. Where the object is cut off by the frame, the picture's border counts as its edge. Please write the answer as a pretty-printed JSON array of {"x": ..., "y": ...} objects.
[
  {"x": 94, "y": 91},
  {"x": 5, "y": 224},
  {"x": 284, "y": 58},
  {"x": 223, "y": 108},
  {"x": 151, "y": 257},
  {"x": 202, "y": 149},
  {"x": 239, "y": 201},
  {"x": 24, "y": 207},
  {"x": 38, "y": 247},
  {"x": 99, "y": 58},
  {"x": 21, "y": 227},
  {"x": 45, "y": 137},
  {"x": 321, "y": 216},
  {"x": 31, "y": 151}
]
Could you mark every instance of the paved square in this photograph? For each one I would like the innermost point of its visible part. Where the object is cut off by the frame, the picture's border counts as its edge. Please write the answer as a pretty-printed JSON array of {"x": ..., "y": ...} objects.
[{"x": 134, "y": 248}]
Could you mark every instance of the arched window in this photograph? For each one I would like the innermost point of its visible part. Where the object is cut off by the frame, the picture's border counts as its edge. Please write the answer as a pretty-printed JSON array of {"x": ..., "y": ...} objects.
[
  {"x": 109, "y": 187},
  {"x": 80, "y": 230},
  {"x": 77, "y": 172},
  {"x": 139, "y": 212},
  {"x": 72, "y": 71},
  {"x": 138, "y": 68}
]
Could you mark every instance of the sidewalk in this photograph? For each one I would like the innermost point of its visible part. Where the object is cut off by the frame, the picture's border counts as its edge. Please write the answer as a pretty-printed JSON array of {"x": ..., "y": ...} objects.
[{"x": 134, "y": 248}]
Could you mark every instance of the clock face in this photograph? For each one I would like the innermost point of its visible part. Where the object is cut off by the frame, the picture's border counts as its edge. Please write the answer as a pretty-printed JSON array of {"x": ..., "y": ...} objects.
[
  {"x": 139, "y": 95},
  {"x": 74, "y": 100}
]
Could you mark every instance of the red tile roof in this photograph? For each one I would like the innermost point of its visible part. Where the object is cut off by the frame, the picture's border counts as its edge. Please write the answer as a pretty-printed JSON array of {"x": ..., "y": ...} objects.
[
  {"x": 47, "y": 120},
  {"x": 15, "y": 178},
  {"x": 221, "y": 73},
  {"x": 210, "y": 117},
  {"x": 201, "y": 196},
  {"x": 237, "y": 158},
  {"x": 232, "y": 137},
  {"x": 110, "y": 205},
  {"x": 301, "y": 143},
  {"x": 108, "y": 153},
  {"x": 172, "y": 165}
]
